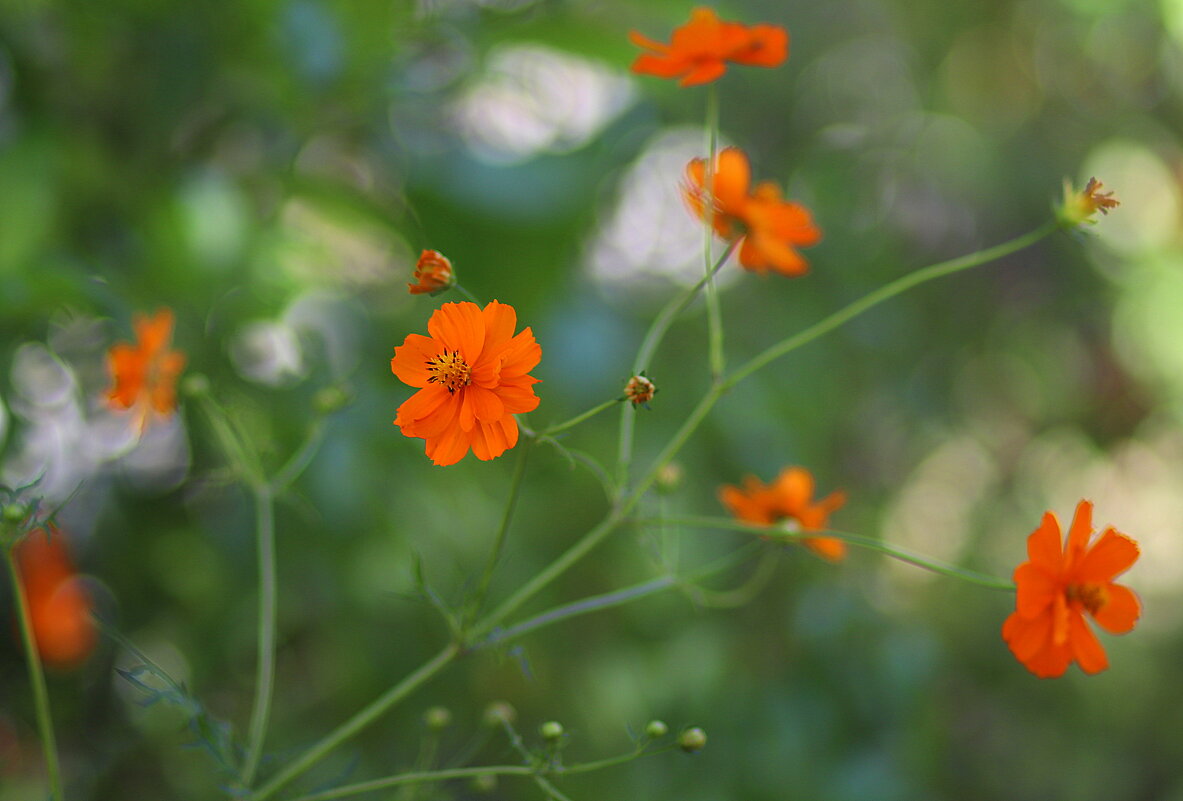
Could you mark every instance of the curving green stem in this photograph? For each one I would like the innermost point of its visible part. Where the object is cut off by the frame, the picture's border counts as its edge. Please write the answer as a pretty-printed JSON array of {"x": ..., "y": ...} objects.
[
  {"x": 897, "y": 552},
  {"x": 579, "y": 418},
  {"x": 265, "y": 660},
  {"x": 714, "y": 315},
  {"x": 515, "y": 488},
  {"x": 37, "y": 680}
]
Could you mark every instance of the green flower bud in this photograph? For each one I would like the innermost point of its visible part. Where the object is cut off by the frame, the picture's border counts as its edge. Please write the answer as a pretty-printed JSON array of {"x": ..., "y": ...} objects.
[
  {"x": 437, "y": 718},
  {"x": 656, "y": 729},
  {"x": 194, "y": 385},
  {"x": 499, "y": 712},
  {"x": 15, "y": 513},
  {"x": 691, "y": 740},
  {"x": 551, "y": 730},
  {"x": 331, "y": 399},
  {"x": 484, "y": 783}
]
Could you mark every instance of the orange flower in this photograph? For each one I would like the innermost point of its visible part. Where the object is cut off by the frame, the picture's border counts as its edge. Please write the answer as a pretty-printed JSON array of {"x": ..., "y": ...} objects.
[
  {"x": 433, "y": 273},
  {"x": 59, "y": 605},
  {"x": 472, "y": 378},
  {"x": 145, "y": 375},
  {"x": 1047, "y": 631},
  {"x": 698, "y": 51},
  {"x": 770, "y": 226},
  {"x": 789, "y": 497}
]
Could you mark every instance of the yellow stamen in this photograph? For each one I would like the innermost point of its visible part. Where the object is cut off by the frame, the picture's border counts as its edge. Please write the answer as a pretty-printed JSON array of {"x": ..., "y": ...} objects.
[
  {"x": 449, "y": 369},
  {"x": 1092, "y": 597}
]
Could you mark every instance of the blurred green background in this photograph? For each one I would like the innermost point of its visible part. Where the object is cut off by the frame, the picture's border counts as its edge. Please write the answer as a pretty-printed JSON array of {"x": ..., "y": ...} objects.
[{"x": 270, "y": 170}]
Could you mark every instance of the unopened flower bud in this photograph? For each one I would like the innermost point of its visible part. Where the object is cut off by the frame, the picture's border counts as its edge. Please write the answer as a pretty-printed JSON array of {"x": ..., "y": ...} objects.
[
  {"x": 669, "y": 477},
  {"x": 15, "y": 513},
  {"x": 498, "y": 713},
  {"x": 656, "y": 729},
  {"x": 551, "y": 730},
  {"x": 437, "y": 718},
  {"x": 331, "y": 399},
  {"x": 433, "y": 274},
  {"x": 639, "y": 390},
  {"x": 691, "y": 740}
]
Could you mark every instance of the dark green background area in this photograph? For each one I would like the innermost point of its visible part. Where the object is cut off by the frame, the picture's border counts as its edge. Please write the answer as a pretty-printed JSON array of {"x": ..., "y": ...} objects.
[{"x": 226, "y": 158}]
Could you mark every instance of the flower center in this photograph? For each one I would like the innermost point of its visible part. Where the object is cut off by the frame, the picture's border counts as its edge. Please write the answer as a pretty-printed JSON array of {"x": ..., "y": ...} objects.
[
  {"x": 449, "y": 369},
  {"x": 1091, "y": 596}
]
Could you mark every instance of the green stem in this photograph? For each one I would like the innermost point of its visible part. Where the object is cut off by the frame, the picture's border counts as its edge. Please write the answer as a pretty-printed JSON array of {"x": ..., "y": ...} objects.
[
  {"x": 894, "y": 551},
  {"x": 265, "y": 661},
  {"x": 37, "y": 680},
  {"x": 714, "y": 315},
  {"x": 418, "y": 778},
  {"x": 649, "y": 344},
  {"x": 574, "y": 421},
  {"x": 299, "y": 461},
  {"x": 619, "y": 512},
  {"x": 231, "y": 443},
  {"x": 872, "y": 299},
  {"x": 467, "y": 294},
  {"x": 358, "y": 722},
  {"x": 515, "y": 487}
]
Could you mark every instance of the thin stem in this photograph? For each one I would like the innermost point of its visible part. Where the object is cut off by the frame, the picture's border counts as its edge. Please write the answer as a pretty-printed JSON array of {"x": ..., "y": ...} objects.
[
  {"x": 37, "y": 680},
  {"x": 649, "y": 344},
  {"x": 549, "y": 788},
  {"x": 714, "y": 316},
  {"x": 467, "y": 294},
  {"x": 872, "y": 299},
  {"x": 894, "y": 551},
  {"x": 745, "y": 592},
  {"x": 265, "y": 661},
  {"x": 358, "y": 722},
  {"x": 420, "y": 777},
  {"x": 515, "y": 487},
  {"x": 299, "y": 461},
  {"x": 619, "y": 512},
  {"x": 231, "y": 442},
  {"x": 574, "y": 421}
]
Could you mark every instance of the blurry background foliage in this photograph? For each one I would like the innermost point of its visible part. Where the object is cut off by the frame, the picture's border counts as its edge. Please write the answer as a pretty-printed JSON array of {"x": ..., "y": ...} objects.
[{"x": 271, "y": 168}]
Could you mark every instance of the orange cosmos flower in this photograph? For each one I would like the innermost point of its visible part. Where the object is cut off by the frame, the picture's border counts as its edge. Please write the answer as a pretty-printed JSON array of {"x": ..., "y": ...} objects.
[
  {"x": 698, "y": 51},
  {"x": 789, "y": 497},
  {"x": 472, "y": 375},
  {"x": 770, "y": 227},
  {"x": 1047, "y": 631},
  {"x": 145, "y": 374},
  {"x": 59, "y": 605},
  {"x": 433, "y": 273}
]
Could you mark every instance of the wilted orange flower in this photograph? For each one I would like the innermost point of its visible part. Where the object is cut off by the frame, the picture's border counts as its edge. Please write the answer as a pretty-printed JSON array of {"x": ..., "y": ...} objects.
[
  {"x": 472, "y": 375},
  {"x": 145, "y": 374},
  {"x": 789, "y": 497},
  {"x": 59, "y": 605},
  {"x": 698, "y": 51},
  {"x": 770, "y": 227},
  {"x": 1080, "y": 207},
  {"x": 639, "y": 390},
  {"x": 1047, "y": 631},
  {"x": 433, "y": 273}
]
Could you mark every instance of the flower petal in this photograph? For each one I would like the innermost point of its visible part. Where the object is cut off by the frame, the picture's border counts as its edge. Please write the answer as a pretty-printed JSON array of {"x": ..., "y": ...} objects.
[
  {"x": 1120, "y": 612},
  {"x": 1110, "y": 556},
  {"x": 411, "y": 358},
  {"x": 459, "y": 326},
  {"x": 1036, "y": 590},
  {"x": 829, "y": 548},
  {"x": 500, "y": 321},
  {"x": 1026, "y": 637},
  {"x": 1086, "y": 648},
  {"x": 1043, "y": 544},
  {"x": 1079, "y": 533}
]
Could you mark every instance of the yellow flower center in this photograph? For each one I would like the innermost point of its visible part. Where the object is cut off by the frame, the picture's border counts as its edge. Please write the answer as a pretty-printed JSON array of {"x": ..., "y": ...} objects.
[
  {"x": 449, "y": 369},
  {"x": 1091, "y": 596}
]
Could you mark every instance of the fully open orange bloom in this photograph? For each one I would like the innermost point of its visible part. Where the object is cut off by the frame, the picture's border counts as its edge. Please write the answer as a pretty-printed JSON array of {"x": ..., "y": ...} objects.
[
  {"x": 1047, "y": 631},
  {"x": 788, "y": 498},
  {"x": 145, "y": 374},
  {"x": 770, "y": 227},
  {"x": 472, "y": 375},
  {"x": 698, "y": 51},
  {"x": 59, "y": 605}
]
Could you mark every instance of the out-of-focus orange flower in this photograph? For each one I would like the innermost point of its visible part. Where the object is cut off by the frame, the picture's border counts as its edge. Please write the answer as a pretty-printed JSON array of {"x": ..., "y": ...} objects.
[
  {"x": 698, "y": 51},
  {"x": 788, "y": 498},
  {"x": 433, "y": 273},
  {"x": 639, "y": 390},
  {"x": 771, "y": 227},
  {"x": 1057, "y": 585},
  {"x": 1081, "y": 207},
  {"x": 59, "y": 605},
  {"x": 145, "y": 374},
  {"x": 472, "y": 375}
]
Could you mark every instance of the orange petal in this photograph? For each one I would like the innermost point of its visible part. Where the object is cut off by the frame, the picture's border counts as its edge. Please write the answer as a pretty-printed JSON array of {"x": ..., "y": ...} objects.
[
  {"x": 449, "y": 447},
  {"x": 1079, "y": 532},
  {"x": 640, "y": 40},
  {"x": 704, "y": 72},
  {"x": 658, "y": 66},
  {"x": 411, "y": 358},
  {"x": 1110, "y": 556},
  {"x": 459, "y": 326},
  {"x": 768, "y": 46},
  {"x": 1026, "y": 637},
  {"x": 522, "y": 355},
  {"x": 1120, "y": 612},
  {"x": 500, "y": 320},
  {"x": 1050, "y": 662},
  {"x": 794, "y": 488},
  {"x": 1043, "y": 544},
  {"x": 1086, "y": 648},
  {"x": 1036, "y": 590},
  {"x": 830, "y": 548}
]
